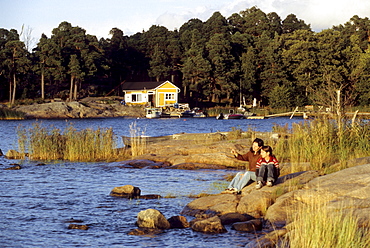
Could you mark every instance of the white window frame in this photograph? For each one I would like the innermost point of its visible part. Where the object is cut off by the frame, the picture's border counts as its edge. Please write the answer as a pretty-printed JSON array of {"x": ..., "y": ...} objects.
[
  {"x": 169, "y": 96},
  {"x": 137, "y": 96}
]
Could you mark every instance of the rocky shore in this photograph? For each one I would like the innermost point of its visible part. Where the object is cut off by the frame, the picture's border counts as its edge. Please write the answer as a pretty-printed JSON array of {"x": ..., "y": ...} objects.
[
  {"x": 267, "y": 209},
  {"x": 85, "y": 108},
  {"x": 264, "y": 212}
]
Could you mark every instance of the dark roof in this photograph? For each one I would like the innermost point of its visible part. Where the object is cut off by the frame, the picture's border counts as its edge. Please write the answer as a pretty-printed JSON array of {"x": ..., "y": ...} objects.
[{"x": 140, "y": 85}]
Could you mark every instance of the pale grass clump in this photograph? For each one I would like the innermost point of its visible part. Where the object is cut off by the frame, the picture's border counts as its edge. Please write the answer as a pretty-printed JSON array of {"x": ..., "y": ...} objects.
[
  {"x": 320, "y": 143},
  {"x": 89, "y": 144},
  {"x": 139, "y": 141},
  {"x": 315, "y": 225},
  {"x": 51, "y": 144}
]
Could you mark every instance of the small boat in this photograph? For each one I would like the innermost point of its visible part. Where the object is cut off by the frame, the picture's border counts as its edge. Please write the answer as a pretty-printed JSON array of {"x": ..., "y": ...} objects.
[
  {"x": 230, "y": 115},
  {"x": 152, "y": 113},
  {"x": 220, "y": 116},
  {"x": 198, "y": 112},
  {"x": 234, "y": 116},
  {"x": 187, "y": 114}
]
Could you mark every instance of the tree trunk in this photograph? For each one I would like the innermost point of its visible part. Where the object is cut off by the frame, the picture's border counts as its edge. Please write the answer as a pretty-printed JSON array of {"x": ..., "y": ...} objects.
[
  {"x": 42, "y": 85},
  {"x": 10, "y": 90},
  {"x": 71, "y": 89},
  {"x": 14, "y": 89},
  {"x": 75, "y": 92}
]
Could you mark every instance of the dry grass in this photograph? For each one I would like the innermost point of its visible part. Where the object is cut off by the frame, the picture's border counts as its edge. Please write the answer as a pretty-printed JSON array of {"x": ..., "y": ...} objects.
[
  {"x": 52, "y": 144},
  {"x": 315, "y": 225},
  {"x": 138, "y": 140},
  {"x": 321, "y": 144}
]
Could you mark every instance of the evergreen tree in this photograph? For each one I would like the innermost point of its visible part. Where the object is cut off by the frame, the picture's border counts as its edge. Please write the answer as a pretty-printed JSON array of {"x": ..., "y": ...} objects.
[
  {"x": 291, "y": 23},
  {"x": 14, "y": 60},
  {"x": 219, "y": 54},
  {"x": 196, "y": 69}
]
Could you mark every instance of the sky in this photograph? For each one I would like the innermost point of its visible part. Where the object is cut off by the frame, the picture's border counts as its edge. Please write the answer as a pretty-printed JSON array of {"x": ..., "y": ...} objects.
[{"x": 98, "y": 17}]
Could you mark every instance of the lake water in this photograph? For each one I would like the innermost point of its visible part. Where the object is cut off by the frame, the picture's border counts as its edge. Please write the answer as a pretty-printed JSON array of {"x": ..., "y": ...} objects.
[{"x": 38, "y": 201}]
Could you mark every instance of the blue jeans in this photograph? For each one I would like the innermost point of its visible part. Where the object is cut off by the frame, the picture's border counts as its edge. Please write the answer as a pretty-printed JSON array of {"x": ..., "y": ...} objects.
[
  {"x": 266, "y": 173},
  {"x": 242, "y": 179}
]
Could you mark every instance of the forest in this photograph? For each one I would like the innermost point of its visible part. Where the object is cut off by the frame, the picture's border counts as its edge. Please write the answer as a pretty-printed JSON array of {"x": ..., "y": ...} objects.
[{"x": 221, "y": 61}]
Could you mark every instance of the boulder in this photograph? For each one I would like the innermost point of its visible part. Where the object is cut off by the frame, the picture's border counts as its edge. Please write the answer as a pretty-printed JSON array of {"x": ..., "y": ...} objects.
[
  {"x": 256, "y": 203},
  {"x": 210, "y": 225},
  {"x": 347, "y": 190},
  {"x": 127, "y": 191},
  {"x": 152, "y": 218},
  {"x": 248, "y": 226},
  {"x": 231, "y": 218},
  {"x": 212, "y": 205},
  {"x": 178, "y": 222},
  {"x": 269, "y": 240}
]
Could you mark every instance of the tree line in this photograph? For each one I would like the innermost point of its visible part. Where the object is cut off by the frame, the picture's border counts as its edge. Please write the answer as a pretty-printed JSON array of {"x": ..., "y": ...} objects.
[{"x": 251, "y": 54}]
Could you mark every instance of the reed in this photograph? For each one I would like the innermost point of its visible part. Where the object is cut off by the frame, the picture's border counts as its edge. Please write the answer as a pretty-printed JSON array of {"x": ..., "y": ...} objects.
[
  {"x": 320, "y": 143},
  {"x": 315, "y": 225},
  {"x": 89, "y": 144},
  {"x": 138, "y": 142},
  {"x": 51, "y": 144},
  {"x": 8, "y": 114}
]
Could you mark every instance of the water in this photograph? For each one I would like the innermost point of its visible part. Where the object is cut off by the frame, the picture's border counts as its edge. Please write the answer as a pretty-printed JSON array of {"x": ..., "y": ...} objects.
[{"x": 37, "y": 202}]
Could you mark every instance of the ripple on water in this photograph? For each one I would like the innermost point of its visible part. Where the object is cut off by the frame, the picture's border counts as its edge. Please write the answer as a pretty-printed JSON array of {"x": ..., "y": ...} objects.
[{"x": 37, "y": 201}]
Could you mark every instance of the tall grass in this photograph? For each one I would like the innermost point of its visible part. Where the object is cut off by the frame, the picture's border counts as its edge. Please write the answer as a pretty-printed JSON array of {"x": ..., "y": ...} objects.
[
  {"x": 320, "y": 143},
  {"x": 315, "y": 225},
  {"x": 6, "y": 114},
  {"x": 138, "y": 140},
  {"x": 52, "y": 144}
]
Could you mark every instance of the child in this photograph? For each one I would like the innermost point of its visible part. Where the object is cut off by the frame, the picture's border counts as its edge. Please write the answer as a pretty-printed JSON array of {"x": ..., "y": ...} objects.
[
  {"x": 267, "y": 168},
  {"x": 244, "y": 178}
]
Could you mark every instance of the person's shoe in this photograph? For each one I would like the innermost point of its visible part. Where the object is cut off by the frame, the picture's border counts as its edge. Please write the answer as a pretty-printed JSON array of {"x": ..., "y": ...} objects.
[
  {"x": 269, "y": 184},
  {"x": 229, "y": 191},
  {"x": 259, "y": 185}
]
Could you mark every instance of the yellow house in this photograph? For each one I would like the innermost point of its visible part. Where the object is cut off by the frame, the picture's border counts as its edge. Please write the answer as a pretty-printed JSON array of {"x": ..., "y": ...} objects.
[{"x": 157, "y": 94}]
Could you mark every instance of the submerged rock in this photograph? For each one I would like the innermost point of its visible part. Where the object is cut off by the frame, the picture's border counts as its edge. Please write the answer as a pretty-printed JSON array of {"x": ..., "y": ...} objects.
[
  {"x": 145, "y": 232},
  {"x": 15, "y": 167},
  {"x": 76, "y": 226},
  {"x": 13, "y": 154}
]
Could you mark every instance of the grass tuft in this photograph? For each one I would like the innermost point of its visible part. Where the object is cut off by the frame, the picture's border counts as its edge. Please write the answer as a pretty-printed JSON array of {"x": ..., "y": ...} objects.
[
  {"x": 315, "y": 225},
  {"x": 52, "y": 144}
]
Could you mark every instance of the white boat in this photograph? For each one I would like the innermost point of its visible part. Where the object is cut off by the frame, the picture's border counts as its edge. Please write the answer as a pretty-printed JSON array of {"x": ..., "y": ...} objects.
[{"x": 152, "y": 113}]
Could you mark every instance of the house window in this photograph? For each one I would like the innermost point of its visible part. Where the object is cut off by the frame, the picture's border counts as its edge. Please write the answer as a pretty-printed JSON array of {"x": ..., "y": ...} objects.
[
  {"x": 170, "y": 96},
  {"x": 136, "y": 98}
]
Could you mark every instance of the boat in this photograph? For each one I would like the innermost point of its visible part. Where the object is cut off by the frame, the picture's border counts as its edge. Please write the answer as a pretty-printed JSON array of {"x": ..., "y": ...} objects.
[
  {"x": 198, "y": 112},
  {"x": 230, "y": 115},
  {"x": 152, "y": 113},
  {"x": 187, "y": 114},
  {"x": 233, "y": 116}
]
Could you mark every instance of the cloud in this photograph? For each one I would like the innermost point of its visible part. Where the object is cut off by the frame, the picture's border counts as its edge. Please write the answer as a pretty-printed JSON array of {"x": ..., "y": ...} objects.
[
  {"x": 320, "y": 14},
  {"x": 99, "y": 17}
]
